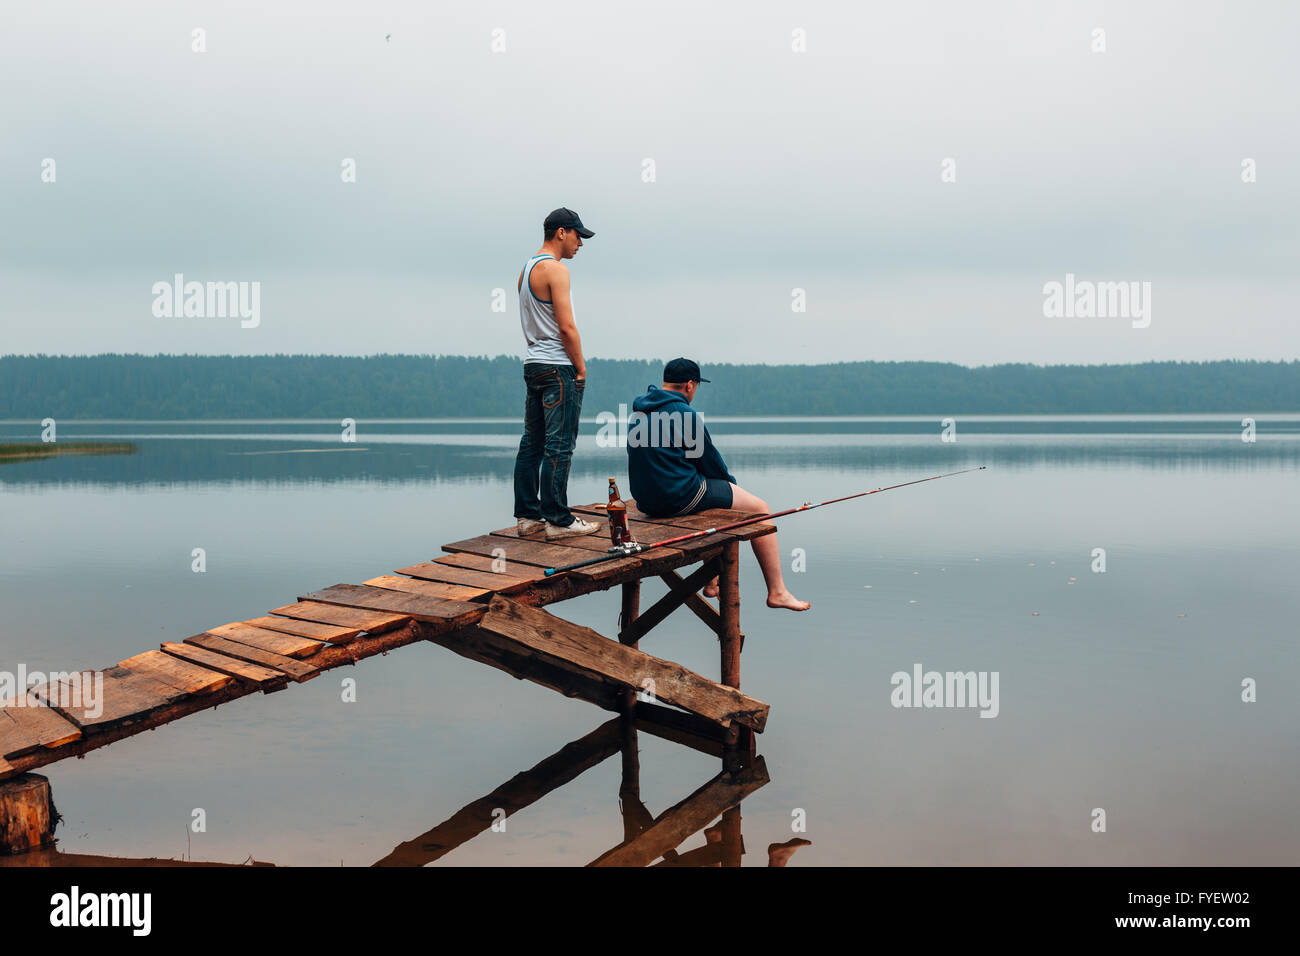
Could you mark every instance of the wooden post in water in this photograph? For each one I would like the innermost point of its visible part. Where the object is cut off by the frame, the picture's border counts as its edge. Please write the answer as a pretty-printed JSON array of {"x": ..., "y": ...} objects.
[
  {"x": 631, "y": 607},
  {"x": 729, "y": 639},
  {"x": 27, "y": 814},
  {"x": 739, "y": 739}
]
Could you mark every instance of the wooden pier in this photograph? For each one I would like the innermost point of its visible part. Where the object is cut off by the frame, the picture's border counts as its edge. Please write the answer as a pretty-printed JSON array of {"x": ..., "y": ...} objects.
[{"x": 484, "y": 599}]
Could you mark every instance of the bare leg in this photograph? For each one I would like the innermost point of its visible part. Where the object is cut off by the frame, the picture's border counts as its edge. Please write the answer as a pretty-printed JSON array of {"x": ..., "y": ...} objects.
[{"x": 768, "y": 553}]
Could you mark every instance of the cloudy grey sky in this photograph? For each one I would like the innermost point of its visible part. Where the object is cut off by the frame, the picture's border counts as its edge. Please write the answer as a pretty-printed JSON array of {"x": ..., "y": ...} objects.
[{"x": 774, "y": 170}]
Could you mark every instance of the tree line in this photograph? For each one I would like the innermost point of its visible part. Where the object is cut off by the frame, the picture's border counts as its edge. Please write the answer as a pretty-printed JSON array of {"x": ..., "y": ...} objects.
[{"x": 446, "y": 386}]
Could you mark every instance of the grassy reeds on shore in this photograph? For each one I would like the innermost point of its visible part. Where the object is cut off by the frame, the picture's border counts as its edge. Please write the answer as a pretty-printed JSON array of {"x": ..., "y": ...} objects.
[{"x": 24, "y": 451}]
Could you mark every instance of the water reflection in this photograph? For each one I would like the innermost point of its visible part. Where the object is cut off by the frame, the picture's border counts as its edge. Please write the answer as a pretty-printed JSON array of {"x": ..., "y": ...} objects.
[{"x": 646, "y": 837}]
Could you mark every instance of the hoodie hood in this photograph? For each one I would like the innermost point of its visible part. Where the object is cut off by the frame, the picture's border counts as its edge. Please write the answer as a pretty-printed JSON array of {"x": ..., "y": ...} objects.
[{"x": 657, "y": 399}]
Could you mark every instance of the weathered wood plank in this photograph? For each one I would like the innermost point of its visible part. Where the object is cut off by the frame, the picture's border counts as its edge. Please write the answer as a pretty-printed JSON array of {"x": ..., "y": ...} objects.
[
  {"x": 263, "y": 677},
  {"x": 544, "y": 634},
  {"x": 277, "y": 642},
  {"x": 597, "y": 541},
  {"x": 297, "y": 670},
  {"x": 125, "y": 696},
  {"x": 330, "y": 633},
  {"x": 376, "y": 622},
  {"x": 33, "y": 726},
  {"x": 467, "y": 577},
  {"x": 157, "y": 718},
  {"x": 182, "y": 675},
  {"x": 433, "y": 589},
  {"x": 700, "y": 521},
  {"x": 550, "y": 555},
  {"x": 423, "y": 609},
  {"x": 480, "y": 562},
  {"x": 691, "y": 815}
]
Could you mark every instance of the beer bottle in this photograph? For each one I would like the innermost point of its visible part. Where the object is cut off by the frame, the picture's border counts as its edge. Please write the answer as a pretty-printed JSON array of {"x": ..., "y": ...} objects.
[{"x": 617, "y": 512}]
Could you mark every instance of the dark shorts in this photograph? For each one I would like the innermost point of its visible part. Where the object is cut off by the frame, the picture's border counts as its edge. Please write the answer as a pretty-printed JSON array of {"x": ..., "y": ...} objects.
[{"x": 716, "y": 494}]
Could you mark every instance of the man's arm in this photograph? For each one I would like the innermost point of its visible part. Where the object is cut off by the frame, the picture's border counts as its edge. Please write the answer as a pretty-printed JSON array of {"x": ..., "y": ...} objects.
[
  {"x": 559, "y": 279},
  {"x": 710, "y": 463}
]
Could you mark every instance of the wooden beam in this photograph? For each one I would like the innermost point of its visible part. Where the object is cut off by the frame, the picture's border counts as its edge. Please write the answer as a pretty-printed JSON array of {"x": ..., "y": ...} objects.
[
  {"x": 702, "y": 609},
  {"x": 533, "y": 632},
  {"x": 675, "y": 598}
]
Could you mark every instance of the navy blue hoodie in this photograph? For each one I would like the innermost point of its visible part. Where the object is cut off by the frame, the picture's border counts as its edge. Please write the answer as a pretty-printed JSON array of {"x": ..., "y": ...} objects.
[{"x": 664, "y": 479}]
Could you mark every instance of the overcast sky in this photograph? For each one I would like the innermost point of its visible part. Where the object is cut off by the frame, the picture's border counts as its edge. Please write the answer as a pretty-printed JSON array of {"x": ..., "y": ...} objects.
[{"x": 774, "y": 170}]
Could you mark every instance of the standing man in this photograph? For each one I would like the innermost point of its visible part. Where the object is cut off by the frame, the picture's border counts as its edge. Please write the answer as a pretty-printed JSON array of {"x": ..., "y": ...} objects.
[{"x": 555, "y": 375}]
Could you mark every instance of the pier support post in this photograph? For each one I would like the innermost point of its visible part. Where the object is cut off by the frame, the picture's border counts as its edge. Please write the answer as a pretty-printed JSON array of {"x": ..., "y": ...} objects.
[
  {"x": 631, "y": 607},
  {"x": 729, "y": 639},
  {"x": 27, "y": 814}
]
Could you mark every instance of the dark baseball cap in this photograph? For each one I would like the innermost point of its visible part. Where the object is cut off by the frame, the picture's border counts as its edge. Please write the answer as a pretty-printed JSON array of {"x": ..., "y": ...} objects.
[
  {"x": 564, "y": 218},
  {"x": 681, "y": 370}
]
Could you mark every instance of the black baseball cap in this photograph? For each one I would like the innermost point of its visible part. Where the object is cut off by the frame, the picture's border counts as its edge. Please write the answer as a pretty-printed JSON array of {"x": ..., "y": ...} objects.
[
  {"x": 564, "y": 218},
  {"x": 681, "y": 370}
]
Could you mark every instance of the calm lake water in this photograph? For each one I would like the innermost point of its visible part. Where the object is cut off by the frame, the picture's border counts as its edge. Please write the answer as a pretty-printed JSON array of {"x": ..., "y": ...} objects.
[{"x": 1119, "y": 690}]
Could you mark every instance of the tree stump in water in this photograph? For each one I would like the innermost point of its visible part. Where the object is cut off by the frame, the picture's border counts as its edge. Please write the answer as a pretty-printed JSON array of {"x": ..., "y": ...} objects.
[{"x": 27, "y": 814}]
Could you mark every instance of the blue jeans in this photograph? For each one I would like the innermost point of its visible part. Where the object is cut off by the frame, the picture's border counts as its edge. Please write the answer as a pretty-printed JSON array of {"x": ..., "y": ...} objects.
[{"x": 550, "y": 430}]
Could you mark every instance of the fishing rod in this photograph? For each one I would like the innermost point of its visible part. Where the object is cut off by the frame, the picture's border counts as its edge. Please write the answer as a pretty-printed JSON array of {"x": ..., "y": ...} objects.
[{"x": 632, "y": 548}]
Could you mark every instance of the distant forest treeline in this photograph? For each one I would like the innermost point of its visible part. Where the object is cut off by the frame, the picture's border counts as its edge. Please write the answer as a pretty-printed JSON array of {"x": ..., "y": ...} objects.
[{"x": 413, "y": 386}]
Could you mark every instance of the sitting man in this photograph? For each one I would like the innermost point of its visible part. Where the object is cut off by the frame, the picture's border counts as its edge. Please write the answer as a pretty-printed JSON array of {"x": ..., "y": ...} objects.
[{"x": 673, "y": 469}]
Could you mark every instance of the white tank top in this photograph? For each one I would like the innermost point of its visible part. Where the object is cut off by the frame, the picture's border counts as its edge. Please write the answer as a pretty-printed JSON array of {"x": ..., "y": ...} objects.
[{"x": 537, "y": 316}]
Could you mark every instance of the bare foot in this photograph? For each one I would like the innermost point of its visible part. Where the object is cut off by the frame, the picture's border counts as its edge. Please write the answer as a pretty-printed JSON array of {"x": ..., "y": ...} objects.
[
  {"x": 711, "y": 589},
  {"x": 787, "y": 600},
  {"x": 778, "y": 854}
]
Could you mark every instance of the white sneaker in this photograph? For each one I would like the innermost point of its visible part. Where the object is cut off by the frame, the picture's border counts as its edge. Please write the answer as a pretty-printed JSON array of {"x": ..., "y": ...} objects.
[
  {"x": 579, "y": 527},
  {"x": 529, "y": 526}
]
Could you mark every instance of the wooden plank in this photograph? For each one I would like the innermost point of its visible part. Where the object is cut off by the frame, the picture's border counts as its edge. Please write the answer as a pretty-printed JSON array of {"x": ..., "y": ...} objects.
[
  {"x": 555, "y": 639},
  {"x": 375, "y": 622},
  {"x": 182, "y": 675},
  {"x": 479, "y": 562},
  {"x": 423, "y": 609},
  {"x": 700, "y": 521},
  {"x": 263, "y": 677},
  {"x": 672, "y": 827},
  {"x": 330, "y": 633},
  {"x": 551, "y": 555},
  {"x": 296, "y": 670},
  {"x": 286, "y": 645},
  {"x": 156, "y": 718},
  {"x": 125, "y": 696},
  {"x": 487, "y": 580},
  {"x": 433, "y": 589},
  {"x": 30, "y": 727},
  {"x": 597, "y": 541}
]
